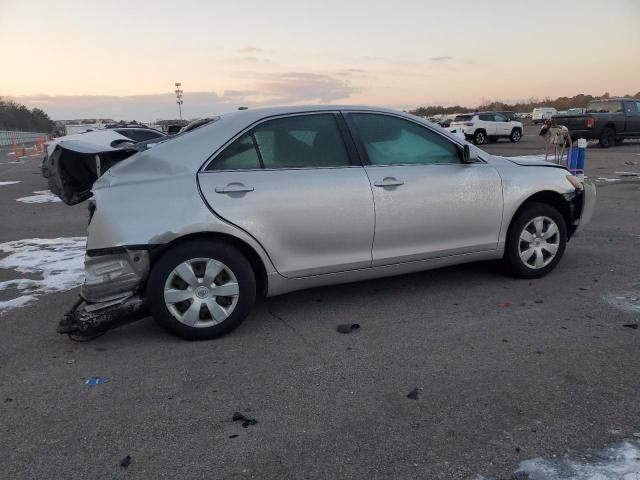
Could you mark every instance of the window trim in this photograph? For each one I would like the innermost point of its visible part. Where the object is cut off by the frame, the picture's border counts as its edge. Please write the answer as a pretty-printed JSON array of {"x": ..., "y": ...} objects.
[
  {"x": 354, "y": 161},
  {"x": 363, "y": 152}
]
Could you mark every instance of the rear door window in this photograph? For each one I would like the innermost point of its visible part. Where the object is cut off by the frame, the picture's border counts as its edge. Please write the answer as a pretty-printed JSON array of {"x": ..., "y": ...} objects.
[
  {"x": 613, "y": 106},
  {"x": 486, "y": 117},
  {"x": 302, "y": 141}
]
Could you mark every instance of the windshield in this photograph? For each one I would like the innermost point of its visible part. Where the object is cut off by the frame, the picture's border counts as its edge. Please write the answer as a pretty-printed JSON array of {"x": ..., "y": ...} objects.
[
  {"x": 463, "y": 118},
  {"x": 612, "y": 106}
]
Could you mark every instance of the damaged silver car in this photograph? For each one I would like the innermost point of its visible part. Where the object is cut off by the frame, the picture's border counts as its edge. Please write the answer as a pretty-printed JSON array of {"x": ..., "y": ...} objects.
[{"x": 267, "y": 201}]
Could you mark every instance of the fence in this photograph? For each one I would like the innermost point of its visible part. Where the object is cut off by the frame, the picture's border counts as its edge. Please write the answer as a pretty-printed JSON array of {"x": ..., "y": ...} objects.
[{"x": 17, "y": 142}]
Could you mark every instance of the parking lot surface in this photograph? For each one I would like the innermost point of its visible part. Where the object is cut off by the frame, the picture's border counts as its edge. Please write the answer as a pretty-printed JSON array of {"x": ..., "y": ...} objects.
[{"x": 502, "y": 370}]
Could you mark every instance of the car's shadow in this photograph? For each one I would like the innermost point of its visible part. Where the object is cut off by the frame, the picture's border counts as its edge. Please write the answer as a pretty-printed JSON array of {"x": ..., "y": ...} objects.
[{"x": 455, "y": 279}]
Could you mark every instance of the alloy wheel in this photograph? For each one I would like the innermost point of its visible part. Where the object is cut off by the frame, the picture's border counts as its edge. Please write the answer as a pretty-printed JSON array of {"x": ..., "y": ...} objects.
[
  {"x": 201, "y": 292},
  {"x": 539, "y": 242}
]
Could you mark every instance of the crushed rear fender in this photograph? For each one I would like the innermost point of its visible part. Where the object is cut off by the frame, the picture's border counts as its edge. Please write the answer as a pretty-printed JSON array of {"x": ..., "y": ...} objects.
[{"x": 75, "y": 165}]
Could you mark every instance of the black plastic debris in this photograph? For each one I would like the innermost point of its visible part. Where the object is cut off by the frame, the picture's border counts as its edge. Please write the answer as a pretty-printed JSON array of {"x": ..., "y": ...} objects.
[
  {"x": 631, "y": 325},
  {"x": 413, "y": 394},
  {"x": 233, "y": 436},
  {"x": 246, "y": 421},
  {"x": 125, "y": 462},
  {"x": 348, "y": 327}
]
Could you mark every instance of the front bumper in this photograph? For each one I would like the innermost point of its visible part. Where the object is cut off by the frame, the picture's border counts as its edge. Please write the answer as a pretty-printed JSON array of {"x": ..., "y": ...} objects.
[
  {"x": 588, "y": 203},
  {"x": 583, "y": 204}
]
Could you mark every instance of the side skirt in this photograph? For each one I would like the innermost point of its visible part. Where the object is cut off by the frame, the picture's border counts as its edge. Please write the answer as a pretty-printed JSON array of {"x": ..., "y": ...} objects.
[{"x": 277, "y": 284}]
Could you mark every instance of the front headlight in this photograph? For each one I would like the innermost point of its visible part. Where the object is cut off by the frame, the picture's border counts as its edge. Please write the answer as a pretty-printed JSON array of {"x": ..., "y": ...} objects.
[{"x": 575, "y": 181}]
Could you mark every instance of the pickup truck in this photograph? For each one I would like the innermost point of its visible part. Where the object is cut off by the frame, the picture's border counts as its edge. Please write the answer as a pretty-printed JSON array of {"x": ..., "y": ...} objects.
[{"x": 608, "y": 121}]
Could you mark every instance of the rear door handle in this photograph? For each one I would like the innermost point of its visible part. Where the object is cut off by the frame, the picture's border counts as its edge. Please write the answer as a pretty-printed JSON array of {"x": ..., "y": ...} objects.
[
  {"x": 388, "y": 182},
  {"x": 234, "y": 188}
]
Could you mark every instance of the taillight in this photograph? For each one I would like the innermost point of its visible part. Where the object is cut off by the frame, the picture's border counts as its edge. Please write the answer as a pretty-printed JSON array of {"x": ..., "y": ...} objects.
[
  {"x": 590, "y": 122},
  {"x": 468, "y": 124}
]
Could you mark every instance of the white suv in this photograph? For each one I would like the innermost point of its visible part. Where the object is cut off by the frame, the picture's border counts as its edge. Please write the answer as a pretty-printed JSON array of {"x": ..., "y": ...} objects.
[{"x": 481, "y": 127}]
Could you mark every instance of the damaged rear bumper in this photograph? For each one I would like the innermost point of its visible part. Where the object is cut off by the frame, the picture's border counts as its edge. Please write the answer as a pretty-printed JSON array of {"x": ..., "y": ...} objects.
[{"x": 112, "y": 294}]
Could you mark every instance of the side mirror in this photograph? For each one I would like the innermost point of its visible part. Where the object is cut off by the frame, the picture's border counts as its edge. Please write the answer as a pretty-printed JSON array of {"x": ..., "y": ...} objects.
[{"x": 467, "y": 157}]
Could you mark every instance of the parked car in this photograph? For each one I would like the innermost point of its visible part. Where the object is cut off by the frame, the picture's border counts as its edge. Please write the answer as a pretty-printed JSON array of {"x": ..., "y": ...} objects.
[
  {"x": 539, "y": 115},
  {"x": 608, "y": 121},
  {"x": 481, "y": 127},
  {"x": 105, "y": 138},
  {"x": 267, "y": 201}
]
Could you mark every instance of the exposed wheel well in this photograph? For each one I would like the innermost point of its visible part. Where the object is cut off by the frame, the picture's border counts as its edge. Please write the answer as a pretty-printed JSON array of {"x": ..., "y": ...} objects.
[
  {"x": 552, "y": 199},
  {"x": 252, "y": 256}
]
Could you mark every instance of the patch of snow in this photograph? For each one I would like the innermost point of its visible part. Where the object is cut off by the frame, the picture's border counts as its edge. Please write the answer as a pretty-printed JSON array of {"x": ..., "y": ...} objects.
[
  {"x": 41, "y": 196},
  {"x": 627, "y": 301},
  {"x": 605, "y": 179},
  {"x": 9, "y": 183},
  {"x": 617, "y": 462},
  {"x": 620, "y": 461},
  {"x": 56, "y": 263}
]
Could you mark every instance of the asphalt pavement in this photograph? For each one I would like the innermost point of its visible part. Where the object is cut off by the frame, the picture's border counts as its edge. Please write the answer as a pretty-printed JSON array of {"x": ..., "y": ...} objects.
[{"x": 501, "y": 370}]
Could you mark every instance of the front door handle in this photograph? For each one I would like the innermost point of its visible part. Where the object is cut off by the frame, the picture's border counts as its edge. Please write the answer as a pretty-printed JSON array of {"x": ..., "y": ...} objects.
[
  {"x": 388, "y": 182},
  {"x": 234, "y": 188}
]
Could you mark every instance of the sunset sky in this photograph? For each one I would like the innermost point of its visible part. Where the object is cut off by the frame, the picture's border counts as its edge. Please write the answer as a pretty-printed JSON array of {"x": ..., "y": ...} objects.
[{"x": 120, "y": 59}]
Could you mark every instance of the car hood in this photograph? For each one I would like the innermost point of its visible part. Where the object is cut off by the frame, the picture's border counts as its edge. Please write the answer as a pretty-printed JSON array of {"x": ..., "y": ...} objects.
[{"x": 531, "y": 161}]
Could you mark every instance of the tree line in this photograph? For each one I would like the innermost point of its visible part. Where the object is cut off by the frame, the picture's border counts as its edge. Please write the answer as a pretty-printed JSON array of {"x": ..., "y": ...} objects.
[
  {"x": 560, "y": 104},
  {"x": 15, "y": 116}
]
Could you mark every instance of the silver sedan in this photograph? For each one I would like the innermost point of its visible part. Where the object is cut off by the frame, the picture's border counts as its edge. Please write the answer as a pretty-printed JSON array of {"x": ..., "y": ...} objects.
[{"x": 269, "y": 201}]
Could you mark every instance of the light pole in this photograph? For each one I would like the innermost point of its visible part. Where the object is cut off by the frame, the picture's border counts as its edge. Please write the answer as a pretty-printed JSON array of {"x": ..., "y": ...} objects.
[{"x": 179, "y": 98}]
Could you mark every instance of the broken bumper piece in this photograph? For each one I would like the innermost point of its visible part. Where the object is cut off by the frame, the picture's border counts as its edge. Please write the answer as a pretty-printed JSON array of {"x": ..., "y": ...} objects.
[
  {"x": 110, "y": 296},
  {"x": 90, "y": 319}
]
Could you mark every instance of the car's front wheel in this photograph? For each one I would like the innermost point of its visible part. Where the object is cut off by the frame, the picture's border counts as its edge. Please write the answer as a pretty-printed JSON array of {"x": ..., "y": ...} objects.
[
  {"x": 515, "y": 136},
  {"x": 536, "y": 241},
  {"x": 201, "y": 289}
]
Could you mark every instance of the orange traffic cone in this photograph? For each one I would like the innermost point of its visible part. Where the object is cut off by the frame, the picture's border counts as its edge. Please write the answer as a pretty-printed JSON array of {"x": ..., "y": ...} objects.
[
  {"x": 16, "y": 157},
  {"x": 24, "y": 151}
]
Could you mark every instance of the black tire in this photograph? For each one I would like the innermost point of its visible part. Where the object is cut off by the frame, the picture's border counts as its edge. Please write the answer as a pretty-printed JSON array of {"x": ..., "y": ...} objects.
[
  {"x": 480, "y": 137},
  {"x": 195, "y": 249},
  {"x": 619, "y": 140},
  {"x": 516, "y": 135},
  {"x": 513, "y": 262},
  {"x": 607, "y": 137}
]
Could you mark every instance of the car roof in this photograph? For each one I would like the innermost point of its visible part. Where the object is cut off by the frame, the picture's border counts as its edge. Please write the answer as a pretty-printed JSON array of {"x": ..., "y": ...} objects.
[
  {"x": 264, "y": 112},
  {"x": 190, "y": 150}
]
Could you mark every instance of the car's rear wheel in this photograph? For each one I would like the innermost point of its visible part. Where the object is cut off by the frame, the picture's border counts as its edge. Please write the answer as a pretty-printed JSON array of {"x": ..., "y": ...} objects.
[
  {"x": 480, "y": 137},
  {"x": 607, "y": 137},
  {"x": 536, "y": 241},
  {"x": 201, "y": 289},
  {"x": 515, "y": 136}
]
